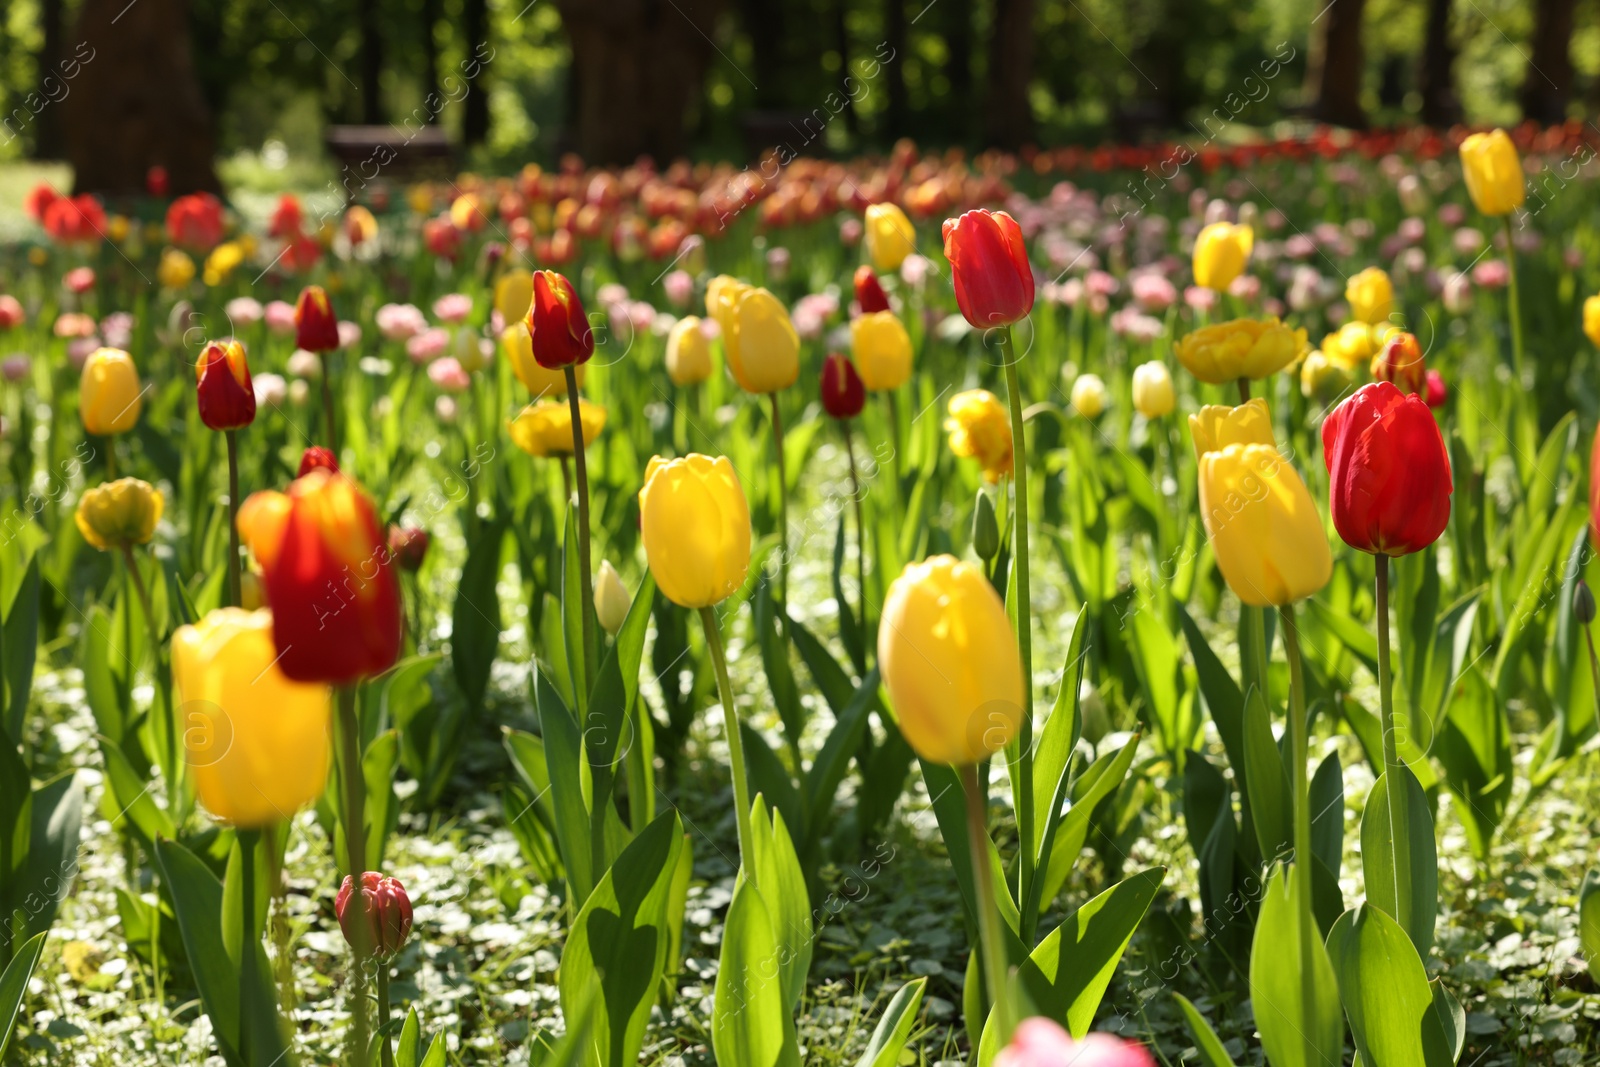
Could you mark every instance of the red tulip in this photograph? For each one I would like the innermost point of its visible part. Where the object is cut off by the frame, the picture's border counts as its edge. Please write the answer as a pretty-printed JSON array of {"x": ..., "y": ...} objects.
[
  {"x": 409, "y": 546},
  {"x": 317, "y": 458},
  {"x": 385, "y": 907},
  {"x": 225, "y": 395},
  {"x": 557, "y": 324},
  {"x": 869, "y": 291},
  {"x": 843, "y": 394},
  {"x": 1400, "y": 361},
  {"x": 71, "y": 220},
  {"x": 38, "y": 201},
  {"x": 1389, "y": 474},
  {"x": 1437, "y": 392},
  {"x": 328, "y": 578},
  {"x": 287, "y": 218},
  {"x": 993, "y": 278},
  {"x": 195, "y": 222},
  {"x": 155, "y": 181},
  {"x": 316, "y": 326}
]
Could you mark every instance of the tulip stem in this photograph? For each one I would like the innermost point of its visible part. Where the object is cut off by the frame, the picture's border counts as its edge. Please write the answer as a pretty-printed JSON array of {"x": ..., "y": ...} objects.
[
  {"x": 991, "y": 945},
  {"x": 1398, "y": 783},
  {"x": 783, "y": 501},
  {"x": 1299, "y": 745},
  {"x": 111, "y": 459},
  {"x": 730, "y": 723},
  {"x": 892, "y": 396},
  {"x": 236, "y": 597},
  {"x": 1023, "y": 785},
  {"x": 1515, "y": 303},
  {"x": 355, "y": 832},
  {"x": 248, "y": 942},
  {"x": 585, "y": 575},
  {"x": 861, "y": 528},
  {"x": 383, "y": 1014},
  {"x": 1244, "y": 390}
]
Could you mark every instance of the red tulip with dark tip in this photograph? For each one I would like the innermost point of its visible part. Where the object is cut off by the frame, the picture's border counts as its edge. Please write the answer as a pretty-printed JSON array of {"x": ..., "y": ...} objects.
[
  {"x": 1389, "y": 473},
  {"x": 316, "y": 327},
  {"x": 869, "y": 291},
  {"x": 843, "y": 394}
]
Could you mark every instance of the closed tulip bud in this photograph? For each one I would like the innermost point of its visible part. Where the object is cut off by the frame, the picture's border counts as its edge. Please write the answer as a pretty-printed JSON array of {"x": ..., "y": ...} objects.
[
  {"x": 688, "y": 353},
  {"x": 1388, "y": 472},
  {"x": 119, "y": 514},
  {"x": 1399, "y": 362},
  {"x": 540, "y": 381},
  {"x": 696, "y": 529},
  {"x": 762, "y": 347},
  {"x": 251, "y": 596},
  {"x": 316, "y": 327},
  {"x": 1591, "y": 319},
  {"x": 869, "y": 291},
  {"x": 1088, "y": 395},
  {"x": 1321, "y": 378},
  {"x": 329, "y": 580},
  {"x": 889, "y": 235},
  {"x": 1493, "y": 172},
  {"x": 1221, "y": 252},
  {"x": 1262, "y": 525},
  {"x": 882, "y": 350},
  {"x": 513, "y": 294},
  {"x": 985, "y": 528},
  {"x": 224, "y": 393},
  {"x": 1437, "y": 392},
  {"x": 990, "y": 269},
  {"x": 1243, "y": 348},
  {"x": 611, "y": 598},
  {"x": 255, "y": 741},
  {"x": 408, "y": 547},
  {"x": 722, "y": 296},
  {"x": 557, "y": 327},
  {"x": 1583, "y": 603},
  {"x": 843, "y": 394},
  {"x": 545, "y": 428},
  {"x": 383, "y": 906},
  {"x": 980, "y": 428},
  {"x": 1153, "y": 392},
  {"x": 950, "y": 662},
  {"x": 1370, "y": 295},
  {"x": 110, "y": 397},
  {"x": 1216, "y": 426},
  {"x": 316, "y": 458}
]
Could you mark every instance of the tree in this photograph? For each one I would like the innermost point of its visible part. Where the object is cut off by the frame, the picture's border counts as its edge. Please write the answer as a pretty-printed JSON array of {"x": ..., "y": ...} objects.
[
  {"x": 1436, "y": 76},
  {"x": 372, "y": 109},
  {"x": 475, "y": 117},
  {"x": 47, "y": 140},
  {"x": 1547, "y": 87},
  {"x": 1335, "y": 67},
  {"x": 636, "y": 66},
  {"x": 135, "y": 101},
  {"x": 1009, "y": 113}
]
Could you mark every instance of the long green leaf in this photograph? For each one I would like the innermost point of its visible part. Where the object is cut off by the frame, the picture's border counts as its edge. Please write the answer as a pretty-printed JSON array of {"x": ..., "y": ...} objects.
[{"x": 1385, "y": 992}]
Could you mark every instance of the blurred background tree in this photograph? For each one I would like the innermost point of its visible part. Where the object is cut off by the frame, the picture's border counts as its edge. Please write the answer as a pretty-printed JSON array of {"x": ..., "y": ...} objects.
[{"x": 520, "y": 80}]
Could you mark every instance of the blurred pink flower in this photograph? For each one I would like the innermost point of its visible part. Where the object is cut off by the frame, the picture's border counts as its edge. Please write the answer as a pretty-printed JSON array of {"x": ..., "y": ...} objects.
[
  {"x": 1467, "y": 241},
  {"x": 303, "y": 364},
  {"x": 1200, "y": 298},
  {"x": 280, "y": 317},
  {"x": 1040, "y": 1042},
  {"x": 244, "y": 310},
  {"x": 1152, "y": 291},
  {"x": 117, "y": 329},
  {"x": 1411, "y": 230},
  {"x": 400, "y": 322},
  {"x": 679, "y": 286},
  {"x": 1299, "y": 246},
  {"x": 270, "y": 388},
  {"x": 914, "y": 270},
  {"x": 1456, "y": 292},
  {"x": 1102, "y": 284},
  {"x": 15, "y": 367},
  {"x": 1452, "y": 214},
  {"x": 1245, "y": 287},
  {"x": 349, "y": 335},
  {"x": 79, "y": 279},
  {"x": 444, "y": 407},
  {"x": 448, "y": 374},
  {"x": 452, "y": 307},
  {"x": 11, "y": 313},
  {"x": 428, "y": 345},
  {"x": 850, "y": 232},
  {"x": 74, "y": 324},
  {"x": 1492, "y": 274},
  {"x": 78, "y": 350},
  {"x": 778, "y": 263},
  {"x": 1437, "y": 392}
]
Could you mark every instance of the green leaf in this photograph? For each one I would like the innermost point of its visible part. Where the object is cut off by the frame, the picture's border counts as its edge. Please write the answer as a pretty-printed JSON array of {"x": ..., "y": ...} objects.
[
  {"x": 1417, "y": 853},
  {"x": 1350, "y": 633},
  {"x": 1266, "y": 779},
  {"x": 751, "y": 1024},
  {"x": 850, "y": 627},
  {"x": 378, "y": 766},
  {"x": 132, "y": 795},
  {"x": 14, "y": 985},
  {"x": 1103, "y": 777},
  {"x": 1212, "y": 1054},
  {"x": 563, "y": 755},
  {"x": 618, "y": 944},
  {"x": 1292, "y": 984},
  {"x": 102, "y": 687},
  {"x": 1053, "y": 754},
  {"x": 775, "y": 661},
  {"x": 475, "y": 616},
  {"x": 894, "y": 1027},
  {"x": 572, "y": 609},
  {"x": 197, "y": 899},
  {"x": 1156, "y": 664},
  {"x": 783, "y": 885},
  {"x": 52, "y": 864},
  {"x": 408, "y": 1047},
  {"x": 21, "y": 648},
  {"x": 1589, "y": 921},
  {"x": 828, "y": 768},
  {"x": 1067, "y": 975},
  {"x": 1474, "y": 746},
  {"x": 1385, "y": 992}
]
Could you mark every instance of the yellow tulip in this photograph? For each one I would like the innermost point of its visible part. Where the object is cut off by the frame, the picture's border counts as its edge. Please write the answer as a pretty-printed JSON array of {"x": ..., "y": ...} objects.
[
  {"x": 110, "y": 397},
  {"x": 1242, "y": 348},
  {"x": 1370, "y": 295},
  {"x": 222, "y": 262},
  {"x": 545, "y": 428},
  {"x": 176, "y": 269},
  {"x": 1494, "y": 175},
  {"x": 763, "y": 348},
  {"x": 513, "y": 294},
  {"x": 688, "y": 353},
  {"x": 541, "y": 381},
  {"x": 950, "y": 662},
  {"x": 1351, "y": 347},
  {"x": 722, "y": 296},
  {"x": 1153, "y": 393},
  {"x": 1591, "y": 318},
  {"x": 120, "y": 513},
  {"x": 1321, "y": 378},
  {"x": 882, "y": 350},
  {"x": 695, "y": 523},
  {"x": 1216, "y": 426},
  {"x": 1088, "y": 395},
  {"x": 1267, "y": 535},
  {"x": 889, "y": 236},
  {"x": 980, "y": 427},
  {"x": 1220, "y": 254},
  {"x": 256, "y": 742}
]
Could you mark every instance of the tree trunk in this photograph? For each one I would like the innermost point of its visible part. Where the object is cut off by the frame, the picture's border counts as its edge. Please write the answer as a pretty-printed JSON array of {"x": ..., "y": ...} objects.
[
  {"x": 894, "y": 68},
  {"x": 475, "y": 118},
  {"x": 1436, "y": 79},
  {"x": 1010, "y": 116},
  {"x": 841, "y": 41},
  {"x": 1547, "y": 86},
  {"x": 372, "y": 108},
  {"x": 135, "y": 100},
  {"x": 47, "y": 138},
  {"x": 763, "y": 21},
  {"x": 955, "y": 21},
  {"x": 636, "y": 66},
  {"x": 430, "y": 50},
  {"x": 1333, "y": 73}
]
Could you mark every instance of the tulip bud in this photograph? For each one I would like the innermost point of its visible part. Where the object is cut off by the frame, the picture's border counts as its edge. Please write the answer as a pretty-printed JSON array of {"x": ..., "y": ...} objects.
[
  {"x": 1493, "y": 172},
  {"x": 980, "y": 428},
  {"x": 1400, "y": 363},
  {"x": 1388, "y": 471},
  {"x": 1088, "y": 395},
  {"x": 695, "y": 523},
  {"x": 611, "y": 599},
  {"x": 890, "y": 236},
  {"x": 882, "y": 349},
  {"x": 1321, "y": 378},
  {"x": 316, "y": 326},
  {"x": 557, "y": 326},
  {"x": 688, "y": 353},
  {"x": 109, "y": 394},
  {"x": 1153, "y": 393},
  {"x": 1221, "y": 253},
  {"x": 1583, "y": 603},
  {"x": 989, "y": 268},
  {"x": 384, "y": 907},
  {"x": 985, "y": 528},
  {"x": 119, "y": 514},
  {"x": 843, "y": 394},
  {"x": 316, "y": 458},
  {"x": 1437, "y": 392},
  {"x": 408, "y": 546},
  {"x": 223, "y": 392},
  {"x": 869, "y": 291}
]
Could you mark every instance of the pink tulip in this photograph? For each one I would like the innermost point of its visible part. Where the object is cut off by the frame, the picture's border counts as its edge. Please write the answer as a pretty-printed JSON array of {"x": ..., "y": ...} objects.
[
  {"x": 400, "y": 322},
  {"x": 1040, "y": 1042},
  {"x": 448, "y": 374},
  {"x": 1492, "y": 274},
  {"x": 429, "y": 345},
  {"x": 452, "y": 307},
  {"x": 280, "y": 317}
]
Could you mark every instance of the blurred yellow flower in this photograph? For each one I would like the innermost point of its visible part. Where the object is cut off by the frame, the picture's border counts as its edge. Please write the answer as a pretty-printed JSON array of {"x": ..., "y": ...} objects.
[
  {"x": 1370, "y": 295},
  {"x": 1263, "y": 526},
  {"x": 1153, "y": 392},
  {"x": 176, "y": 269},
  {"x": 980, "y": 428},
  {"x": 1351, "y": 347},
  {"x": 889, "y": 236},
  {"x": 1221, "y": 252},
  {"x": 1242, "y": 348},
  {"x": 1493, "y": 172},
  {"x": 541, "y": 381},
  {"x": 688, "y": 353},
  {"x": 110, "y": 396},
  {"x": 513, "y": 294},
  {"x": 545, "y": 428},
  {"x": 1216, "y": 426},
  {"x": 223, "y": 261},
  {"x": 882, "y": 350},
  {"x": 1591, "y": 318},
  {"x": 763, "y": 348},
  {"x": 119, "y": 514}
]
